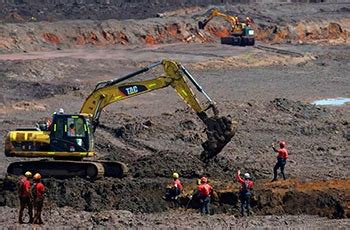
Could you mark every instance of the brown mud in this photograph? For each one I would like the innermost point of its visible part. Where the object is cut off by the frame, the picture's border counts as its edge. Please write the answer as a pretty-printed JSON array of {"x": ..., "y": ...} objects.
[
  {"x": 327, "y": 198},
  {"x": 269, "y": 93}
]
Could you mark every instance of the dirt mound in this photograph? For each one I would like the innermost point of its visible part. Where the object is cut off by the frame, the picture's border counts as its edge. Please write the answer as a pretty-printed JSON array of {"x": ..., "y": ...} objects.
[
  {"x": 103, "y": 10},
  {"x": 299, "y": 109},
  {"x": 83, "y": 9},
  {"x": 22, "y": 90},
  {"x": 134, "y": 195},
  {"x": 162, "y": 164},
  {"x": 154, "y": 146},
  {"x": 305, "y": 32},
  {"x": 270, "y": 27}
]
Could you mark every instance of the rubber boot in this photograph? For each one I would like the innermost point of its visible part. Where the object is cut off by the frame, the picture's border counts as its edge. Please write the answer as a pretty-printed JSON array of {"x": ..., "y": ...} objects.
[{"x": 20, "y": 217}]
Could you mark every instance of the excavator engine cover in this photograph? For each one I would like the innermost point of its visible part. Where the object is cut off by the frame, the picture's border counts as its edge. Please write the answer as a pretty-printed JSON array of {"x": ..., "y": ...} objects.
[{"x": 220, "y": 131}]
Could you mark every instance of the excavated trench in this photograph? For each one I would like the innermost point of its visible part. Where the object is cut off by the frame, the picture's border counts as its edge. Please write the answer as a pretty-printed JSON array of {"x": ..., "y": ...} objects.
[{"x": 328, "y": 198}]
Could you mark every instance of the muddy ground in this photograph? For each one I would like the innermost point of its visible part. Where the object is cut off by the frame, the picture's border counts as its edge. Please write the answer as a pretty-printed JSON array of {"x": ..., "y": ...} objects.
[{"x": 269, "y": 93}]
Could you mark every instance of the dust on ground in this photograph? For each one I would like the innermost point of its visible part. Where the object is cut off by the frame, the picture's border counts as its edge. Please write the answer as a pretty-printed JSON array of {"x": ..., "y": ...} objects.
[{"x": 268, "y": 92}]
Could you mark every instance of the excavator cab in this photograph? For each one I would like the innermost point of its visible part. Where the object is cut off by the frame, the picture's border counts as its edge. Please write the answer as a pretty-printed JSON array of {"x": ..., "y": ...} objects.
[{"x": 71, "y": 133}]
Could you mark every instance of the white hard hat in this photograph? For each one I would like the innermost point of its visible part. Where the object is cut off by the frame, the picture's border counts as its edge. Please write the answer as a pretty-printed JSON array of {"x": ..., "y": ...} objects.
[
  {"x": 175, "y": 175},
  {"x": 61, "y": 110},
  {"x": 246, "y": 175},
  {"x": 28, "y": 174}
]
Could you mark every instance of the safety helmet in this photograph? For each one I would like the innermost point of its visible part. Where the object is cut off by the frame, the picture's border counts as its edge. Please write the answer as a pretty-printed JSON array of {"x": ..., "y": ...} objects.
[
  {"x": 28, "y": 174},
  {"x": 282, "y": 144},
  {"x": 204, "y": 180},
  {"x": 246, "y": 175},
  {"x": 61, "y": 111},
  {"x": 175, "y": 175},
  {"x": 37, "y": 176}
]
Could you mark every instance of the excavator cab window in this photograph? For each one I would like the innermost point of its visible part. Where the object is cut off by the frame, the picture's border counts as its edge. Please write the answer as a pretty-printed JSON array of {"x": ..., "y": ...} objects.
[
  {"x": 75, "y": 127},
  {"x": 70, "y": 133}
]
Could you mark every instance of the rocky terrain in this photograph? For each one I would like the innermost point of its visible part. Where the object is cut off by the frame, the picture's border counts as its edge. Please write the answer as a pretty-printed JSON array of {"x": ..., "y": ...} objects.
[{"x": 301, "y": 55}]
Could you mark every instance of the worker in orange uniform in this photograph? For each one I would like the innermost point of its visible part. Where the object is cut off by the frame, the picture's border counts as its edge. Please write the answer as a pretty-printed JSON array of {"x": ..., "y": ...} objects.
[
  {"x": 281, "y": 159},
  {"x": 245, "y": 192},
  {"x": 203, "y": 192},
  {"x": 175, "y": 189},
  {"x": 25, "y": 197},
  {"x": 38, "y": 192}
]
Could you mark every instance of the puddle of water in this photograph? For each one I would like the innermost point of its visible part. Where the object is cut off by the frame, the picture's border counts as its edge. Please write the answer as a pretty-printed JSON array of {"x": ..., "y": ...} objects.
[{"x": 332, "y": 101}]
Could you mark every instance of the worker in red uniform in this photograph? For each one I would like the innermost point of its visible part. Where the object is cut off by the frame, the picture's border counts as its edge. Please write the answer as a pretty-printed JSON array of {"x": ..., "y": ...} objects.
[
  {"x": 38, "y": 192},
  {"x": 25, "y": 197},
  {"x": 175, "y": 189},
  {"x": 281, "y": 159},
  {"x": 245, "y": 192},
  {"x": 203, "y": 192}
]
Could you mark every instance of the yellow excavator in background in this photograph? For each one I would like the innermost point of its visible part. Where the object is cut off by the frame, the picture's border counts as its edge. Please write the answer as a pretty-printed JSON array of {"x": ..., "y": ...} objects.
[
  {"x": 69, "y": 137},
  {"x": 241, "y": 32}
]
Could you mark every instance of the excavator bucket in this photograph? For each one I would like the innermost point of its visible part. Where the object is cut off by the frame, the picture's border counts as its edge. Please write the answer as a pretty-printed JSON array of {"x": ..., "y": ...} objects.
[{"x": 220, "y": 131}]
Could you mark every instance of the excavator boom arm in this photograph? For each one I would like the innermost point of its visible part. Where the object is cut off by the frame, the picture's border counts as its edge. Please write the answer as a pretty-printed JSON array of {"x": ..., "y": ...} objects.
[
  {"x": 113, "y": 91},
  {"x": 216, "y": 13},
  {"x": 219, "y": 130}
]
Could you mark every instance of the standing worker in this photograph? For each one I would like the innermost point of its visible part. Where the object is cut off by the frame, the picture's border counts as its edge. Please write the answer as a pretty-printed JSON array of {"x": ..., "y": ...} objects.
[
  {"x": 281, "y": 159},
  {"x": 38, "y": 192},
  {"x": 245, "y": 192},
  {"x": 25, "y": 197},
  {"x": 175, "y": 189},
  {"x": 203, "y": 191}
]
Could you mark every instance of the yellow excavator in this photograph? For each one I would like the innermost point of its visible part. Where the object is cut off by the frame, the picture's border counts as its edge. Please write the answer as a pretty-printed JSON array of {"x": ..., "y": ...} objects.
[
  {"x": 69, "y": 137},
  {"x": 242, "y": 33}
]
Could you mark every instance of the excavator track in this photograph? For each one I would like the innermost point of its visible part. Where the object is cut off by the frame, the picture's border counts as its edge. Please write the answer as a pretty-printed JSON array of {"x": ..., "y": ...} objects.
[
  {"x": 66, "y": 169},
  {"x": 279, "y": 51}
]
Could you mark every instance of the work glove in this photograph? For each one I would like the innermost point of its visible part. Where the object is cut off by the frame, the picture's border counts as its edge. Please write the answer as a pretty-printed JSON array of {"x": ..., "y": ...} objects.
[{"x": 190, "y": 197}]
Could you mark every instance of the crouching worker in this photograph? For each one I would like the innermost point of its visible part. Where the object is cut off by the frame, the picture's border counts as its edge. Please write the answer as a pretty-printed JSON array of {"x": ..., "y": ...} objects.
[
  {"x": 175, "y": 189},
  {"x": 38, "y": 191},
  {"x": 203, "y": 192},
  {"x": 25, "y": 197},
  {"x": 245, "y": 192}
]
